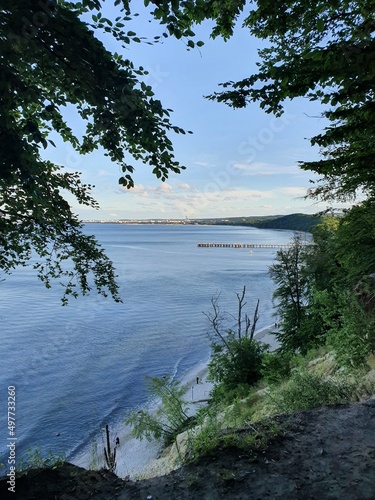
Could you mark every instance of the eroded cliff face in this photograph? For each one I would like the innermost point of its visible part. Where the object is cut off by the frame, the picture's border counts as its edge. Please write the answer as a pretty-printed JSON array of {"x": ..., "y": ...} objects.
[
  {"x": 170, "y": 459},
  {"x": 323, "y": 453}
]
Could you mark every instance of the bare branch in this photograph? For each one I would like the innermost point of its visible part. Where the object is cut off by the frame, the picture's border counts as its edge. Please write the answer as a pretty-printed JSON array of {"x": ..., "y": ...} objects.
[
  {"x": 215, "y": 319},
  {"x": 255, "y": 320},
  {"x": 247, "y": 325},
  {"x": 241, "y": 304},
  {"x": 244, "y": 326}
]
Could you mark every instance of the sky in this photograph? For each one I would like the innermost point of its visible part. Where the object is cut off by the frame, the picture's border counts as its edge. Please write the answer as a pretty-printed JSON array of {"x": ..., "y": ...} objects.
[{"x": 240, "y": 162}]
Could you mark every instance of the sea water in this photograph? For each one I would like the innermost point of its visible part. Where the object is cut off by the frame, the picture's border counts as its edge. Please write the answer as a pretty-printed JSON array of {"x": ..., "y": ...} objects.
[{"x": 78, "y": 367}]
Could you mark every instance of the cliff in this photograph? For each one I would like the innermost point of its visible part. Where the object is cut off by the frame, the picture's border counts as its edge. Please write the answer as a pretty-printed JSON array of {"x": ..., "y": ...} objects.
[{"x": 323, "y": 453}]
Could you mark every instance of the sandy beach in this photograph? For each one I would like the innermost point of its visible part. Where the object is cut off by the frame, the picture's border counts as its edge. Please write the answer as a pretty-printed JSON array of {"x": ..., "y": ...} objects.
[{"x": 134, "y": 457}]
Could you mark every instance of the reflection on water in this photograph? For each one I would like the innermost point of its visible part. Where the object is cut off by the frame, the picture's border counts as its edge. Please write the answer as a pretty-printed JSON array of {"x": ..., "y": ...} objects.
[{"x": 78, "y": 366}]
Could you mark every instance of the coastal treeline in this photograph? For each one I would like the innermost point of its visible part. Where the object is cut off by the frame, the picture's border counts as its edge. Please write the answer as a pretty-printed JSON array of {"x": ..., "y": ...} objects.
[
  {"x": 292, "y": 222},
  {"x": 325, "y": 354},
  {"x": 325, "y": 292}
]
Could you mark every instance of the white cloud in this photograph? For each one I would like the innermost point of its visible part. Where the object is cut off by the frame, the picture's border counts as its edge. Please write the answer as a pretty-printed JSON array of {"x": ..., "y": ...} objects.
[
  {"x": 139, "y": 190},
  {"x": 210, "y": 200},
  {"x": 164, "y": 187},
  {"x": 265, "y": 169},
  {"x": 147, "y": 191},
  {"x": 294, "y": 191}
]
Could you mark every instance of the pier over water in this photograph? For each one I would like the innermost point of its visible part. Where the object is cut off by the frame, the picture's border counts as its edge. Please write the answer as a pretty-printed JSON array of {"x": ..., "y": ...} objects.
[{"x": 241, "y": 245}]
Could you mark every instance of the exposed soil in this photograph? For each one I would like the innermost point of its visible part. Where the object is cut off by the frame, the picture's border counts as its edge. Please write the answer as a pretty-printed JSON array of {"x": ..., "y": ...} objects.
[{"x": 328, "y": 453}]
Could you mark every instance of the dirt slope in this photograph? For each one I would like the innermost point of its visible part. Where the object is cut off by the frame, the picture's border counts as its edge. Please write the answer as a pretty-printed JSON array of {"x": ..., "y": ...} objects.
[{"x": 328, "y": 453}]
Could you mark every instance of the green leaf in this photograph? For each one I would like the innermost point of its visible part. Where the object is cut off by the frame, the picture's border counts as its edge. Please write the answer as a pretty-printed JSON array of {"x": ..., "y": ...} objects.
[
  {"x": 65, "y": 65},
  {"x": 320, "y": 25}
]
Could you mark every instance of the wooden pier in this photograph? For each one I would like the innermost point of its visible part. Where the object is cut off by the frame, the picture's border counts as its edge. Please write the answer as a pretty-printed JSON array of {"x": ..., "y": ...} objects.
[{"x": 240, "y": 245}]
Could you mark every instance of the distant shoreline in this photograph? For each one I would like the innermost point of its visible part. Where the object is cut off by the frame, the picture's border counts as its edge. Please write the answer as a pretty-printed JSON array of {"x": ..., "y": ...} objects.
[{"x": 293, "y": 222}]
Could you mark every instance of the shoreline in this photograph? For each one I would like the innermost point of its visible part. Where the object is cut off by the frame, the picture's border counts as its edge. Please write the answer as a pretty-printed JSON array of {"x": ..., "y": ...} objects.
[{"x": 135, "y": 458}]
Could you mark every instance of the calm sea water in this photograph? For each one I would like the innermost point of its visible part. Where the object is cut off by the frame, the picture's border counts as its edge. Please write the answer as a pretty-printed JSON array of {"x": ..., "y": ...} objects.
[{"x": 77, "y": 367}]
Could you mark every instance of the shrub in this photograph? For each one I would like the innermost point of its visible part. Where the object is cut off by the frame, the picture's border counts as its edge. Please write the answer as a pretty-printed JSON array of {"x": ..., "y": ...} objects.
[
  {"x": 276, "y": 366},
  {"x": 169, "y": 420},
  {"x": 221, "y": 394},
  {"x": 238, "y": 362},
  {"x": 236, "y": 357},
  {"x": 35, "y": 460},
  {"x": 306, "y": 390},
  {"x": 352, "y": 339}
]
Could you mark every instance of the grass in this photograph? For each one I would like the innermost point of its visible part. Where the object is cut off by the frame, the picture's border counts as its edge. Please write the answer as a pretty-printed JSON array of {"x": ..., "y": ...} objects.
[
  {"x": 306, "y": 390},
  {"x": 35, "y": 460},
  {"x": 315, "y": 381},
  {"x": 250, "y": 438}
]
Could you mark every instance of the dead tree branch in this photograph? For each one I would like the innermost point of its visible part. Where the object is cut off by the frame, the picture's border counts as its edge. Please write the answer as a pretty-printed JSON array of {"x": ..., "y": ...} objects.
[{"x": 255, "y": 320}]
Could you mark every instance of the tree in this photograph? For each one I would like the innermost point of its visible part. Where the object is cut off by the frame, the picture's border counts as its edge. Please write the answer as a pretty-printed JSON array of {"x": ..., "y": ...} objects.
[
  {"x": 322, "y": 262},
  {"x": 292, "y": 294},
  {"x": 356, "y": 241},
  {"x": 236, "y": 356},
  {"x": 322, "y": 51},
  {"x": 340, "y": 294},
  {"x": 351, "y": 335},
  {"x": 51, "y": 58}
]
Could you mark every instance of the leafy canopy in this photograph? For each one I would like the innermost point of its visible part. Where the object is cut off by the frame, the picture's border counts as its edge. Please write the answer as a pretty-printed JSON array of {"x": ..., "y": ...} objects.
[
  {"x": 51, "y": 58},
  {"x": 318, "y": 50}
]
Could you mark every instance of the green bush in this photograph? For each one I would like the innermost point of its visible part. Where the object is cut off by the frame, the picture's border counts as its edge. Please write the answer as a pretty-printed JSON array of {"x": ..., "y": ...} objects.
[
  {"x": 250, "y": 438},
  {"x": 306, "y": 390},
  {"x": 221, "y": 394},
  {"x": 276, "y": 366},
  {"x": 35, "y": 460},
  {"x": 206, "y": 439},
  {"x": 238, "y": 362},
  {"x": 352, "y": 338}
]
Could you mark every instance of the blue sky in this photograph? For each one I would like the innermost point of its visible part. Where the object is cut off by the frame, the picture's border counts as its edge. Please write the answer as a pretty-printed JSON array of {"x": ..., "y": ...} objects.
[{"x": 239, "y": 162}]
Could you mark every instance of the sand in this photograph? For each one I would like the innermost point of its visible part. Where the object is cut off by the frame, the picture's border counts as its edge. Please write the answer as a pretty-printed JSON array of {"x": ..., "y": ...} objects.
[{"x": 133, "y": 456}]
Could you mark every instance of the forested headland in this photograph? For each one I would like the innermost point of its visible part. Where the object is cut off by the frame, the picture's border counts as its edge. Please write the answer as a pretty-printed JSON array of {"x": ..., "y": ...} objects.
[{"x": 292, "y": 222}]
